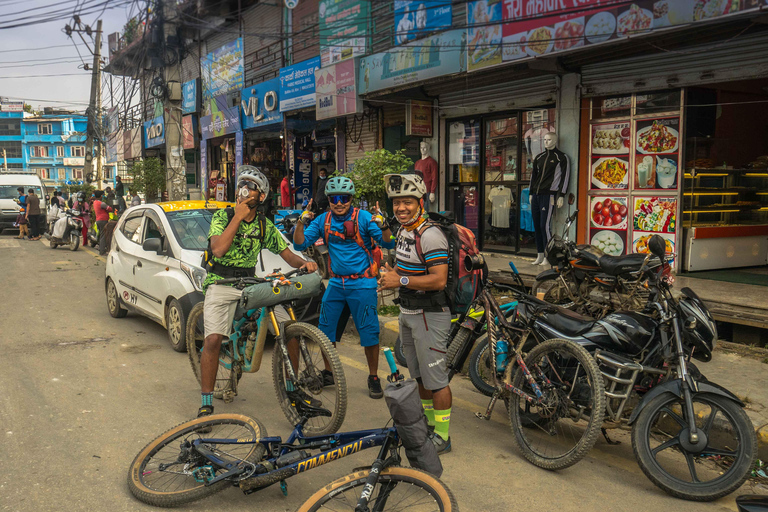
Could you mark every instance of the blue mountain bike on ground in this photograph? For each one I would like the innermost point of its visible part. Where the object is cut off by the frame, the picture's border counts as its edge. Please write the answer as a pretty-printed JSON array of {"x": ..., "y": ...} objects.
[{"x": 184, "y": 464}]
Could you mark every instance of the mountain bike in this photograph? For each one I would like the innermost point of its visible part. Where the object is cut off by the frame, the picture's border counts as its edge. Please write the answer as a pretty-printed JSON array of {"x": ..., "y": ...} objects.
[
  {"x": 301, "y": 350},
  {"x": 184, "y": 465}
]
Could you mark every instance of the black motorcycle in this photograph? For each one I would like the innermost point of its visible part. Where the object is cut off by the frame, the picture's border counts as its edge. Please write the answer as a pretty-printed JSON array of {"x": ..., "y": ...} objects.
[
  {"x": 588, "y": 281},
  {"x": 691, "y": 437}
]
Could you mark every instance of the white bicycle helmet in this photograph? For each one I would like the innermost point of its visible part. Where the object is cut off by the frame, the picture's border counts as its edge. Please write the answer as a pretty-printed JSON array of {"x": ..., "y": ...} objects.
[
  {"x": 404, "y": 185},
  {"x": 254, "y": 174}
]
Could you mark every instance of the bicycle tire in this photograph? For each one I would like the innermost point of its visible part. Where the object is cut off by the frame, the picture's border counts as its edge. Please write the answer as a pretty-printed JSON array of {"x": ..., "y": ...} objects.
[
  {"x": 195, "y": 336},
  {"x": 463, "y": 337},
  {"x": 138, "y": 485},
  {"x": 520, "y": 420},
  {"x": 478, "y": 363},
  {"x": 444, "y": 498},
  {"x": 399, "y": 354},
  {"x": 549, "y": 295},
  {"x": 313, "y": 427}
]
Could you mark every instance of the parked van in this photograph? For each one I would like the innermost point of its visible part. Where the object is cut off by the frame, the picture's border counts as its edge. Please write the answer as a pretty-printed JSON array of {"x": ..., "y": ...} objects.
[{"x": 9, "y": 209}]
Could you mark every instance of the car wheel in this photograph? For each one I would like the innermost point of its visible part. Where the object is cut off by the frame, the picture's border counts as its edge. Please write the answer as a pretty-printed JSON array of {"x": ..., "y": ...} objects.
[
  {"x": 114, "y": 304},
  {"x": 176, "y": 323}
]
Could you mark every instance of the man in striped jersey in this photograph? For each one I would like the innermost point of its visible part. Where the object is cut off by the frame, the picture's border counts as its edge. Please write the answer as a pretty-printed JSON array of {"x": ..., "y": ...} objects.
[{"x": 421, "y": 272}]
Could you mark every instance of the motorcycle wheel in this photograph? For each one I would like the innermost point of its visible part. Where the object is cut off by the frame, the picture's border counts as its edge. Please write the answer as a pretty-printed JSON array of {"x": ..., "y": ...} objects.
[
  {"x": 74, "y": 241},
  {"x": 717, "y": 466},
  {"x": 554, "y": 291}
]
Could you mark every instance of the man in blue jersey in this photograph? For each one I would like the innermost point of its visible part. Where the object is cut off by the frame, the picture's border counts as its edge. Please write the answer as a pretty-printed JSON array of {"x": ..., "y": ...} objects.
[{"x": 349, "y": 234}]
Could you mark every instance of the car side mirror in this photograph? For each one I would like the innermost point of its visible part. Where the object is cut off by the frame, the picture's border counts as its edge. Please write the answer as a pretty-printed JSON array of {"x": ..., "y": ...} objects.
[{"x": 153, "y": 245}]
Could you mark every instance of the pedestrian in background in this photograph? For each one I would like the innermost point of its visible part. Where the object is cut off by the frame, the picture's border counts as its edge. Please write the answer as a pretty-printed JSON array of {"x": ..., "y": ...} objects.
[
  {"x": 102, "y": 210},
  {"x": 120, "y": 192},
  {"x": 84, "y": 208},
  {"x": 21, "y": 220},
  {"x": 287, "y": 191},
  {"x": 135, "y": 200},
  {"x": 33, "y": 214}
]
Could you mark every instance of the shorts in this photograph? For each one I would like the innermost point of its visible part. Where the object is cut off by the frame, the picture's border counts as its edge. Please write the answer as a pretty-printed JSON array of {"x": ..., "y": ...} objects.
[
  {"x": 425, "y": 340},
  {"x": 219, "y": 310},
  {"x": 362, "y": 304}
]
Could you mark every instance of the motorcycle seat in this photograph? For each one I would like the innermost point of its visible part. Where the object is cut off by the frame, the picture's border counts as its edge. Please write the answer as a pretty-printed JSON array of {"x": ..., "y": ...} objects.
[
  {"x": 590, "y": 254},
  {"x": 617, "y": 265},
  {"x": 568, "y": 322}
]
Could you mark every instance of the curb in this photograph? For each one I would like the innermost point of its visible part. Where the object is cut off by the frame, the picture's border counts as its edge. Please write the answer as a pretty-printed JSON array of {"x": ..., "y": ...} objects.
[{"x": 390, "y": 333}]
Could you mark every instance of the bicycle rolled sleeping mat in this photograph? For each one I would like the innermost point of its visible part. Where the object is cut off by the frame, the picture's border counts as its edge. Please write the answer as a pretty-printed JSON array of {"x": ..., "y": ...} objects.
[
  {"x": 405, "y": 407},
  {"x": 264, "y": 294}
]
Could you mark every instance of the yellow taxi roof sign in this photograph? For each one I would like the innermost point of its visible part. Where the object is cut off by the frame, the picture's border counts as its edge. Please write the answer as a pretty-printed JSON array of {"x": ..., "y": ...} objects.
[{"x": 200, "y": 204}]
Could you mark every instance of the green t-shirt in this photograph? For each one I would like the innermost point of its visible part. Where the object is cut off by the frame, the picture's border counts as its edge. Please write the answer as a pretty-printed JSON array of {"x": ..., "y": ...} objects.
[{"x": 246, "y": 246}]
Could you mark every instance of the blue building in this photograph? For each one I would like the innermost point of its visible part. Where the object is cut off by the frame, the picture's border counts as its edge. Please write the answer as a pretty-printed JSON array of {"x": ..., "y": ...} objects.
[
  {"x": 53, "y": 147},
  {"x": 11, "y": 140}
]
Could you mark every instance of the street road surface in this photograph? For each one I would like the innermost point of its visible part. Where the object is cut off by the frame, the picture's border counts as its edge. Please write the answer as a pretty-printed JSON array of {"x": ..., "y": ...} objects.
[{"x": 81, "y": 393}]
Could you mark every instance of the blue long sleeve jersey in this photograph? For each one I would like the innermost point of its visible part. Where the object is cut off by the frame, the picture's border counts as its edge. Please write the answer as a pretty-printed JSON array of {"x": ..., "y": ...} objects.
[{"x": 347, "y": 258}]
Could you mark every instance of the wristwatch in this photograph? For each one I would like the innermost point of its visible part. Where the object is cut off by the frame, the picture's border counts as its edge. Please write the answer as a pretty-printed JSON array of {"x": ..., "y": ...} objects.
[{"x": 404, "y": 281}]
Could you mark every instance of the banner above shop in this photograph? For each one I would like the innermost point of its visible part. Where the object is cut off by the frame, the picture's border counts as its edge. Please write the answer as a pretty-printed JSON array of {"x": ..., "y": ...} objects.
[
  {"x": 12, "y": 106},
  {"x": 416, "y": 18},
  {"x": 154, "y": 132},
  {"x": 260, "y": 104},
  {"x": 222, "y": 70},
  {"x": 336, "y": 92},
  {"x": 190, "y": 99},
  {"x": 502, "y": 31},
  {"x": 222, "y": 121},
  {"x": 188, "y": 131},
  {"x": 438, "y": 55},
  {"x": 343, "y": 29},
  {"x": 297, "y": 85},
  {"x": 418, "y": 118}
]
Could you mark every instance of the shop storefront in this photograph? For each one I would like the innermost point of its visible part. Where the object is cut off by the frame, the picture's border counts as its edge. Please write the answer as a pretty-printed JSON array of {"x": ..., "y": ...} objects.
[
  {"x": 689, "y": 162},
  {"x": 190, "y": 136},
  {"x": 221, "y": 149}
]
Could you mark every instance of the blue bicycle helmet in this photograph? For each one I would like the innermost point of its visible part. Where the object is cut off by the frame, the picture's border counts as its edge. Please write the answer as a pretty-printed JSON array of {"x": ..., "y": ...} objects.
[{"x": 340, "y": 185}]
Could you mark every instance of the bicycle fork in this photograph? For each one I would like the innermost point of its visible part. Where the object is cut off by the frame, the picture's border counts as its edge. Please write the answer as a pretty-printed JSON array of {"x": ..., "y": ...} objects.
[{"x": 373, "y": 478}]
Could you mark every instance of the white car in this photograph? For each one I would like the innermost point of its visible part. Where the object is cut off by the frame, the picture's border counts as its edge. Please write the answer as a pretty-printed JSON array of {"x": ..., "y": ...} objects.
[{"x": 153, "y": 267}]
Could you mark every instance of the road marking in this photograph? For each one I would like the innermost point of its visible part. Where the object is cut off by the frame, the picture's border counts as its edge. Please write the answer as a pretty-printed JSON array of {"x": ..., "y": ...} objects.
[
  {"x": 393, "y": 325},
  {"x": 9, "y": 244},
  {"x": 95, "y": 254}
]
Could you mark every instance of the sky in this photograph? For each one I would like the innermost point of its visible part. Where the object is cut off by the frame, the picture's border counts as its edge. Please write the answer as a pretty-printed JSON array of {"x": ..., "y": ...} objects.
[{"x": 18, "y": 59}]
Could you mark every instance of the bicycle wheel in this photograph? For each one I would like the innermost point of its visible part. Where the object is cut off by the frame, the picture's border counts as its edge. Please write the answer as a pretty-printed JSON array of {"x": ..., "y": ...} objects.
[
  {"x": 714, "y": 467},
  {"x": 399, "y": 354},
  {"x": 480, "y": 367},
  {"x": 397, "y": 489},
  {"x": 456, "y": 349},
  {"x": 561, "y": 430},
  {"x": 555, "y": 291},
  {"x": 183, "y": 474},
  {"x": 310, "y": 379},
  {"x": 226, "y": 381}
]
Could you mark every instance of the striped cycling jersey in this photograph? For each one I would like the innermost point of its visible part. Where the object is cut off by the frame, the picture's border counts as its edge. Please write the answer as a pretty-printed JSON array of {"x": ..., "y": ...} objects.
[{"x": 434, "y": 247}]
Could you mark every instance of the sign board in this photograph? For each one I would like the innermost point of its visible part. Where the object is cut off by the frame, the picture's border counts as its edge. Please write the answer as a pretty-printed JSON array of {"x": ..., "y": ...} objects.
[
  {"x": 12, "y": 106},
  {"x": 416, "y": 18},
  {"x": 204, "y": 169},
  {"x": 190, "y": 97},
  {"x": 418, "y": 118},
  {"x": 238, "y": 150},
  {"x": 154, "y": 132},
  {"x": 111, "y": 149},
  {"x": 188, "y": 131},
  {"x": 222, "y": 70},
  {"x": 343, "y": 29},
  {"x": 260, "y": 104},
  {"x": 112, "y": 120},
  {"x": 437, "y": 55},
  {"x": 303, "y": 179},
  {"x": 222, "y": 121},
  {"x": 74, "y": 162},
  {"x": 132, "y": 143},
  {"x": 336, "y": 91},
  {"x": 297, "y": 85}
]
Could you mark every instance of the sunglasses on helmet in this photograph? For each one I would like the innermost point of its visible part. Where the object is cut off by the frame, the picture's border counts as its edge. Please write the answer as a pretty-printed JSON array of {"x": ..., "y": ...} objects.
[
  {"x": 250, "y": 185},
  {"x": 338, "y": 199}
]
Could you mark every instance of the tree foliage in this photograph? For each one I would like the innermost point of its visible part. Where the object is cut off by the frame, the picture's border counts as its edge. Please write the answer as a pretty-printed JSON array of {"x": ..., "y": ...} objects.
[
  {"x": 148, "y": 177},
  {"x": 368, "y": 173},
  {"x": 131, "y": 30}
]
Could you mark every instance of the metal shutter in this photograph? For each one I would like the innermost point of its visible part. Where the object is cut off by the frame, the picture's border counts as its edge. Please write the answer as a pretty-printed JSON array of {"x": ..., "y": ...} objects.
[
  {"x": 262, "y": 42},
  {"x": 361, "y": 135},
  {"x": 306, "y": 30},
  {"x": 190, "y": 66},
  {"x": 221, "y": 36},
  {"x": 514, "y": 94},
  {"x": 742, "y": 58},
  {"x": 382, "y": 26},
  {"x": 393, "y": 114}
]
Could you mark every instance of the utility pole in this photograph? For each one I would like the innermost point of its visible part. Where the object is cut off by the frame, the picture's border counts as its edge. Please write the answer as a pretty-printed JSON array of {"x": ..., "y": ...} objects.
[
  {"x": 95, "y": 110},
  {"x": 5, "y": 162},
  {"x": 175, "y": 165}
]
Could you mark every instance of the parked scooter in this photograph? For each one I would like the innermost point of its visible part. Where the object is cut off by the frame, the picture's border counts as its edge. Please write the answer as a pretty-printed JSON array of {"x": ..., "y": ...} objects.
[
  {"x": 66, "y": 230},
  {"x": 678, "y": 418}
]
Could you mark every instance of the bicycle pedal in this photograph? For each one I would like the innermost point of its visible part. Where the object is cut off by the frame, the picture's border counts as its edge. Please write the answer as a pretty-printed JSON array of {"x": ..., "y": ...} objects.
[{"x": 483, "y": 416}]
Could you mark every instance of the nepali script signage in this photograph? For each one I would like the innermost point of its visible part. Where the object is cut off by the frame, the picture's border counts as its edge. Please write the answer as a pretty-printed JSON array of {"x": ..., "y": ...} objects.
[
  {"x": 259, "y": 104},
  {"x": 190, "y": 98},
  {"x": 222, "y": 121},
  {"x": 437, "y": 55},
  {"x": 502, "y": 31},
  {"x": 222, "y": 70},
  {"x": 343, "y": 29},
  {"x": 336, "y": 91},
  {"x": 297, "y": 85}
]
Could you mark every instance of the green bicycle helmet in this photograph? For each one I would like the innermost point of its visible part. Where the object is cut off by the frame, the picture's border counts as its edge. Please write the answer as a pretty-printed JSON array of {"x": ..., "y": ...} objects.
[{"x": 340, "y": 185}]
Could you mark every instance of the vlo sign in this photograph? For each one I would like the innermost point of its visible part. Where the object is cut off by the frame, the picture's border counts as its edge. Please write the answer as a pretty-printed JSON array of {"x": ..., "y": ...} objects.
[
  {"x": 259, "y": 104},
  {"x": 154, "y": 132}
]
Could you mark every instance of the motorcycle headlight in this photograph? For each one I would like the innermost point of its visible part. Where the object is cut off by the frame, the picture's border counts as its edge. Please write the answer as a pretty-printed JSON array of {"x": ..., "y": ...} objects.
[{"x": 195, "y": 274}]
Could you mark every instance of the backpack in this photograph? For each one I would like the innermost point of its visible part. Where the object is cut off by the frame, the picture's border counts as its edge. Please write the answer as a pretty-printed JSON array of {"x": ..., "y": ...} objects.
[
  {"x": 463, "y": 286},
  {"x": 375, "y": 255},
  {"x": 208, "y": 262}
]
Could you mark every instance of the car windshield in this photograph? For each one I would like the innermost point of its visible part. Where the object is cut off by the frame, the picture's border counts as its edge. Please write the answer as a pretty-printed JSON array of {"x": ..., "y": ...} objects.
[
  {"x": 191, "y": 228},
  {"x": 10, "y": 192}
]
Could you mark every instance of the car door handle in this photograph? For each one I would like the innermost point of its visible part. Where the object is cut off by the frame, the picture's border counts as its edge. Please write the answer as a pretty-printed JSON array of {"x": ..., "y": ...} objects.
[{"x": 138, "y": 264}]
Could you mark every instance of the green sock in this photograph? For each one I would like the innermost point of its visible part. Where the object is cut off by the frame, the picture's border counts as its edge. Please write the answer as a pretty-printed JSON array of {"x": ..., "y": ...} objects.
[
  {"x": 429, "y": 411},
  {"x": 442, "y": 422}
]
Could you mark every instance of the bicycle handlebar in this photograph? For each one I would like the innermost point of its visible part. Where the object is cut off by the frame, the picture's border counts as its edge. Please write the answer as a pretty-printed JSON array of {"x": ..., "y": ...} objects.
[{"x": 257, "y": 280}]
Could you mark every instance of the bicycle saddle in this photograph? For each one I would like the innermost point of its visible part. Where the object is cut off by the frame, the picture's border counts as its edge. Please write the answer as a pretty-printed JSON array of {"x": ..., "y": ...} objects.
[{"x": 306, "y": 410}]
